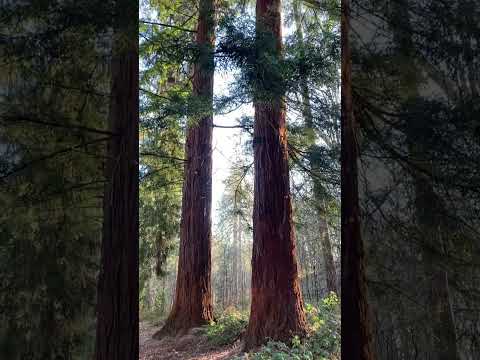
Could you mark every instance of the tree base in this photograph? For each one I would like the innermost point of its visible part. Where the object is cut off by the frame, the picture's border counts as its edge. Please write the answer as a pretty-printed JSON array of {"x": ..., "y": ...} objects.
[
  {"x": 178, "y": 326},
  {"x": 254, "y": 341},
  {"x": 276, "y": 325}
]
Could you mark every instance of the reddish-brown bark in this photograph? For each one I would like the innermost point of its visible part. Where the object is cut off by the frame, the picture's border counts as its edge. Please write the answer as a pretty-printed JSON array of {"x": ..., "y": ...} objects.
[
  {"x": 277, "y": 307},
  {"x": 193, "y": 297},
  {"x": 356, "y": 326},
  {"x": 117, "y": 300}
]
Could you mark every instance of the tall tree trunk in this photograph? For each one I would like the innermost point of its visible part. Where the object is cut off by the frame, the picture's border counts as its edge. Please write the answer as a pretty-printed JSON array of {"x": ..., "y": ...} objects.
[
  {"x": 117, "y": 300},
  {"x": 277, "y": 310},
  {"x": 307, "y": 114},
  {"x": 193, "y": 297},
  {"x": 356, "y": 330}
]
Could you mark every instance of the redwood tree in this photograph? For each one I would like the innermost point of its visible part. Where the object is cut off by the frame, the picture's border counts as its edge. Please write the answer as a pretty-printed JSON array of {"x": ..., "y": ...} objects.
[
  {"x": 277, "y": 307},
  {"x": 193, "y": 297},
  {"x": 117, "y": 303},
  {"x": 356, "y": 326}
]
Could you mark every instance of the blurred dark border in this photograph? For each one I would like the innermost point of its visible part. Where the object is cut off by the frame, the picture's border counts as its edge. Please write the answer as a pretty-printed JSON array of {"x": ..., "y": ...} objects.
[
  {"x": 411, "y": 267},
  {"x": 69, "y": 179}
]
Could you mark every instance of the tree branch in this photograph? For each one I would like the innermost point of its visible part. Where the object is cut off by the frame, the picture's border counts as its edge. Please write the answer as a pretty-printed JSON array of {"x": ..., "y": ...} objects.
[{"x": 166, "y": 25}]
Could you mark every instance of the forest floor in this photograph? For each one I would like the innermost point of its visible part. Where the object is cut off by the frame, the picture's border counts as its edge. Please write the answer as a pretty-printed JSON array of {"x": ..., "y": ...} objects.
[{"x": 192, "y": 346}]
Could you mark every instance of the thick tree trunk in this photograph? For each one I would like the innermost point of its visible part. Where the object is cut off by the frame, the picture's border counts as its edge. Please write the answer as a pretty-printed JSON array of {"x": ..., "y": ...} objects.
[
  {"x": 277, "y": 307},
  {"x": 117, "y": 300},
  {"x": 193, "y": 298},
  {"x": 307, "y": 114},
  {"x": 356, "y": 327}
]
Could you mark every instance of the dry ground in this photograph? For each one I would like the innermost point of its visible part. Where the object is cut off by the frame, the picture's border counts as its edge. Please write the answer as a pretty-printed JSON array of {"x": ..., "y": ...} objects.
[{"x": 192, "y": 346}]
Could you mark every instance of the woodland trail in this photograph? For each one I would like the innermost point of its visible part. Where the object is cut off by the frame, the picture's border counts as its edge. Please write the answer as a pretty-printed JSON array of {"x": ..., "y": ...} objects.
[{"x": 188, "y": 347}]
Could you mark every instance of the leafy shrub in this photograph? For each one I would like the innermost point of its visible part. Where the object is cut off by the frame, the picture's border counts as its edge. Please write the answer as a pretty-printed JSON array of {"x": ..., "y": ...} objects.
[
  {"x": 227, "y": 328},
  {"x": 325, "y": 324},
  {"x": 323, "y": 342}
]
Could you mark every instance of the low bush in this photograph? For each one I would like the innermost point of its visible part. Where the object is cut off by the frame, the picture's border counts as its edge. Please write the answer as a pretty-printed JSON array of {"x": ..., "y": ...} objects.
[
  {"x": 227, "y": 328},
  {"x": 323, "y": 342}
]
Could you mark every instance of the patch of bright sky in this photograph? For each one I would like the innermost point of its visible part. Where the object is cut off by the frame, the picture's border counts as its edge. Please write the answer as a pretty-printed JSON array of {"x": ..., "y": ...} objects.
[{"x": 225, "y": 140}]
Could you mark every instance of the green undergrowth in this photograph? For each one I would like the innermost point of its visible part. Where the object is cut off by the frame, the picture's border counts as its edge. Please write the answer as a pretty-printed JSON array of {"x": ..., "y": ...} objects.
[
  {"x": 227, "y": 328},
  {"x": 322, "y": 343}
]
